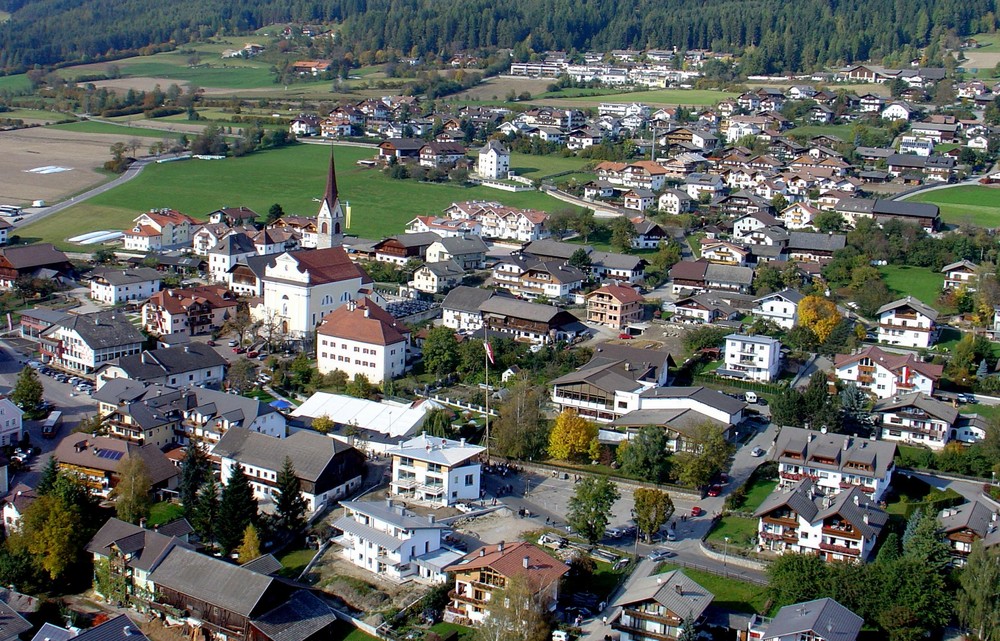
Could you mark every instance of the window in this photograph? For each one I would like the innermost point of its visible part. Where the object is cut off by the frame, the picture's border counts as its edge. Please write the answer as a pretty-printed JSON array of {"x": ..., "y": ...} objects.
[{"x": 468, "y": 479}]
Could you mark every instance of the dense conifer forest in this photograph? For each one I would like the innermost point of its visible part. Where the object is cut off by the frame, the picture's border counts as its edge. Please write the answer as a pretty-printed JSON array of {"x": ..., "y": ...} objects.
[{"x": 775, "y": 35}]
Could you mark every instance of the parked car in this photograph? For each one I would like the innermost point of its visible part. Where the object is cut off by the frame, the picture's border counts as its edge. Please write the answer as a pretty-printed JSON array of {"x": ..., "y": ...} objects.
[
  {"x": 671, "y": 535},
  {"x": 234, "y": 343},
  {"x": 659, "y": 555},
  {"x": 238, "y": 350},
  {"x": 625, "y": 336},
  {"x": 714, "y": 490},
  {"x": 697, "y": 511},
  {"x": 966, "y": 398},
  {"x": 757, "y": 452},
  {"x": 210, "y": 343},
  {"x": 253, "y": 354}
]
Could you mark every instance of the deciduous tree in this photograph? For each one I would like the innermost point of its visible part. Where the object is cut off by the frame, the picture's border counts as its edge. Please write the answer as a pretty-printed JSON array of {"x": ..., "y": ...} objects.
[
  {"x": 516, "y": 613},
  {"x": 708, "y": 454},
  {"x": 645, "y": 456},
  {"x": 819, "y": 314},
  {"x": 28, "y": 391},
  {"x": 441, "y": 351},
  {"x": 622, "y": 234},
  {"x": 653, "y": 508},
  {"x": 131, "y": 495},
  {"x": 978, "y": 598},
  {"x": 571, "y": 436},
  {"x": 519, "y": 432},
  {"x": 590, "y": 507},
  {"x": 250, "y": 546}
]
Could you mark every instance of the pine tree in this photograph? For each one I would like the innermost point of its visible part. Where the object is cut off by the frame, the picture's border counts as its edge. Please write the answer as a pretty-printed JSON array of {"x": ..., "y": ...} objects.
[
  {"x": 206, "y": 511},
  {"x": 237, "y": 510},
  {"x": 195, "y": 471},
  {"x": 291, "y": 507},
  {"x": 48, "y": 478}
]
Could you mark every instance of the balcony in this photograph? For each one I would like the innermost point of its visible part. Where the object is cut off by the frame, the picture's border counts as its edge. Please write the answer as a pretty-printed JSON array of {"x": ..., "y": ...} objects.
[
  {"x": 843, "y": 533},
  {"x": 465, "y": 598},
  {"x": 840, "y": 549},
  {"x": 787, "y": 537},
  {"x": 785, "y": 521},
  {"x": 639, "y": 633}
]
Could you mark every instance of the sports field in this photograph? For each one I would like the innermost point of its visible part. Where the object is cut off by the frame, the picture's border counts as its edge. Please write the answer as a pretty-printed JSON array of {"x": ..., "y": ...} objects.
[
  {"x": 293, "y": 177},
  {"x": 975, "y": 204}
]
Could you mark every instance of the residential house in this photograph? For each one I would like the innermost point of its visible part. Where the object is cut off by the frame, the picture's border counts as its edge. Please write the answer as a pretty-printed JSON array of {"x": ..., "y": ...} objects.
[
  {"x": 833, "y": 461},
  {"x": 701, "y": 275},
  {"x": 435, "y": 471},
  {"x": 657, "y": 607},
  {"x": 799, "y": 215},
  {"x": 402, "y": 248},
  {"x": 441, "y": 155},
  {"x": 839, "y": 527},
  {"x": 781, "y": 308},
  {"x": 189, "y": 311},
  {"x": 437, "y": 278},
  {"x": 480, "y": 573},
  {"x": 362, "y": 338},
  {"x": 11, "y": 423},
  {"x": 326, "y": 468},
  {"x": 961, "y": 274},
  {"x": 95, "y": 461},
  {"x": 233, "y": 216},
  {"x": 923, "y": 420},
  {"x": 675, "y": 201},
  {"x": 494, "y": 161},
  {"x": 444, "y": 227},
  {"x": 898, "y": 111},
  {"x": 965, "y": 524},
  {"x": 704, "y": 308},
  {"x": 638, "y": 199},
  {"x": 400, "y": 149},
  {"x": 755, "y": 358},
  {"x": 392, "y": 542},
  {"x": 887, "y": 374},
  {"x": 15, "y": 504},
  {"x": 81, "y": 343},
  {"x": 933, "y": 168},
  {"x": 301, "y": 287},
  {"x": 697, "y": 184},
  {"x": 723, "y": 252},
  {"x": 229, "y": 251},
  {"x": 907, "y": 322},
  {"x": 130, "y": 553},
  {"x": 5, "y": 228},
  {"x": 616, "y": 306},
  {"x": 159, "y": 229},
  {"x": 814, "y": 247},
  {"x": 186, "y": 364},
  {"x": 113, "y": 287},
  {"x": 818, "y": 620},
  {"x": 469, "y": 252},
  {"x": 550, "y": 279},
  {"x": 749, "y": 223},
  {"x": 927, "y": 215},
  {"x": 528, "y": 322},
  {"x": 648, "y": 235},
  {"x": 624, "y": 268},
  {"x": 39, "y": 260},
  {"x": 36, "y": 320},
  {"x": 460, "y": 309}
]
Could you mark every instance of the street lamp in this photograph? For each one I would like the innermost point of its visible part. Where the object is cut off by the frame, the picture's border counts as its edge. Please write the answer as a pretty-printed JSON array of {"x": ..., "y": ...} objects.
[{"x": 725, "y": 551}]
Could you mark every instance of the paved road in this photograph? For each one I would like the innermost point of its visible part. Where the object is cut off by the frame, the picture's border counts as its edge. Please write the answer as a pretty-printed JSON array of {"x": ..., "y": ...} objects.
[{"x": 970, "y": 490}]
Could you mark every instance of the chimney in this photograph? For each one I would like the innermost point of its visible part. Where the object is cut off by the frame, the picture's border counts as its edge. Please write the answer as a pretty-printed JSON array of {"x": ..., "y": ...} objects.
[
  {"x": 811, "y": 437},
  {"x": 857, "y": 500},
  {"x": 847, "y": 443},
  {"x": 367, "y": 312},
  {"x": 187, "y": 349},
  {"x": 463, "y": 442},
  {"x": 482, "y": 552},
  {"x": 678, "y": 589},
  {"x": 430, "y": 519},
  {"x": 500, "y": 546},
  {"x": 822, "y": 430},
  {"x": 388, "y": 503},
  {"x": 526, "y": 562},
  {"x": 865, "y": 518}
]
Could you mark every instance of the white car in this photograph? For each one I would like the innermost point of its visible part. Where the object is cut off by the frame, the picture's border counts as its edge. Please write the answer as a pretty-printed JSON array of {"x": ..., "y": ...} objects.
[{"x": 757, "y": 452}]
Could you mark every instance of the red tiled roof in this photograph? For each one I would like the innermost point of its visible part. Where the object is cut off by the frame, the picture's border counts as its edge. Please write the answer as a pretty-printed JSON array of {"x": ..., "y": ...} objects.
[
  {"x": 890, "y": 361},
  {"x": 508, "y": 560},
  {"x": 621, "y": 293},
  {"x": 364, "y": 322},
  {"x": 177, "y": 301},
  {"x": 329, "y": 265}
]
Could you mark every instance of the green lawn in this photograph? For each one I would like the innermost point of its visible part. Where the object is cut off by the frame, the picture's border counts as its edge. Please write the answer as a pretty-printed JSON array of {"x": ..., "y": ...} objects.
[
  {"x": 538, "y": 167},
  {"x": 164, "y": 512},
  {"x": 989, "y": 42},
  {"x": 91, "y": 127},
  {"x": 345, "y": 632},
  {"x": 295, "y": 561},
  {"x": 757, "y": 492},
  {"x": 15, "y": 83},
  {"x": 976, "y": 204},
  {"x": 742, "y": 533},
  {"x": 34, "y": 115},
  {"x": 292, "y": 176},
  {"x": 844, "y": 132},
  {"x": 464, "y": 633},
  {"x": 730, "y": 594},
  {"x": 989, "y": 412},
  {"x": 919, "y": 282}
]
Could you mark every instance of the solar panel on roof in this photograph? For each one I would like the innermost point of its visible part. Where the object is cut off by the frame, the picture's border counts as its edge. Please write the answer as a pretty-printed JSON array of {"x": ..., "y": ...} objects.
[{"x": 114, "y": 455}]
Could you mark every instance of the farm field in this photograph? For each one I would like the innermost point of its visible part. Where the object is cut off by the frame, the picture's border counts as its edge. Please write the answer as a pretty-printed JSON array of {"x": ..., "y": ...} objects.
[
  {"x": 18, "y": 82},
  {"x": 660, "y": 97},
  {"x": 34, "y": 116},
  {"x": 91, "y": 127},
  {"x": 976, "y": 204},
  {"x": 293, "y": 176},
  {"x": 919, "y": 282}
]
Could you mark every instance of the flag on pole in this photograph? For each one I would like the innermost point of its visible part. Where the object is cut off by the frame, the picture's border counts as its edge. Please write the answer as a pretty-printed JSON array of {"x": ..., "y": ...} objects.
[{"x": 489, "y": 351}]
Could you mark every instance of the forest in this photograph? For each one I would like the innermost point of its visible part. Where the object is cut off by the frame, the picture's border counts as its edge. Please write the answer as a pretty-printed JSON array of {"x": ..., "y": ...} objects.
[{"x": 772, "y": 35}]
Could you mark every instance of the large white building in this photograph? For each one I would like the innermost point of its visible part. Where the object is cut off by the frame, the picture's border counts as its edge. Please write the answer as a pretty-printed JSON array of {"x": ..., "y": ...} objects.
[
  {"x": 886, "y": 374},
  {"x": 801, "y": 518},
  {"x": 781, "y": 308},
  {"x": 833, "y": 461},
  {"x": 919, "y": 419},
  {"x": 362, "y": 338},
  {"x": 10, "y": 423},
  {"x": 389, "y": 540},
  {"x": 226, "y": 253},
  {"x": 494, "y": 161},
  {"x": 327, "y": 469},
  {"x": 460, "y": 309},
  {"x": 159, "y": 229},
  {"x": 755, "y": 358},
  {"x": 187, "y": 364},
  {"x": 83, "y": 342},
  {"x": 121, "y": 286},
  {"x": 435, "y": 470},
  {"x": 908, "y": 323}
]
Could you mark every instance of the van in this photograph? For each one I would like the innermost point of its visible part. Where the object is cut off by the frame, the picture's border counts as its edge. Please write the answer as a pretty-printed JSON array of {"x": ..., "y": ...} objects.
[{"x": 750, "y": 397}]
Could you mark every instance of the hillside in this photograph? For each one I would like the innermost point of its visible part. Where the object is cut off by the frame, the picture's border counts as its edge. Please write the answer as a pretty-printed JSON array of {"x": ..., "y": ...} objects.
[{"x": 782, "y": 35}]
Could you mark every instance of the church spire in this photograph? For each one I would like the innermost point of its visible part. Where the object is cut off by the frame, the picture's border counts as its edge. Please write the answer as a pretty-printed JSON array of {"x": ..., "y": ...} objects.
[
  {"x": 330, "y": 219},
  {"x": 331, "y": 182}
]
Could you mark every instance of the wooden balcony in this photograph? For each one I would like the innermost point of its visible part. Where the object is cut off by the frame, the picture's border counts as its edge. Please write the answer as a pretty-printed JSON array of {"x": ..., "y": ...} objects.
[
  {"x": 784, "y": 521},
  {"x": 840, "y": 549},
  {"x": 465, "y": 598},
  {"x": 787, "y": 537},
  {"x": 639, "y": 633},
  {"x": 846, "y": 534}
]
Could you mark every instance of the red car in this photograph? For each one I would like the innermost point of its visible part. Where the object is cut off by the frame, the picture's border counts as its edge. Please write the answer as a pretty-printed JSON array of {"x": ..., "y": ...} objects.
[
  {"x": 623, "y": 336},
  {"x": 714, "y": 490},
  {"x": 252, "y": 354},
  {"x": 697, "y": 511},
  {"x": 239, "y": 350},
  {"x": 210, "y": 343}
]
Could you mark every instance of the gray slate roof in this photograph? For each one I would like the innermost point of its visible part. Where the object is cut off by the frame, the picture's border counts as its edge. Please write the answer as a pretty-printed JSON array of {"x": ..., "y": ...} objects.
[
  {"x": 148, "y": 545},
  {"x": 101, "y": 330},
  {"x": 554, "y": 249},
  {"x": 467, "y": 299},
  {"x": 12, "y": 624},
  {"x": 716, "y": 273},
  {"x": 910, "y": 301},
  {"x": 810, "y": 443},
  {"x": 120, "y": 628},
  {"x": 168, "y": 361},
  {"x": 222, "y": 584},
  {"x": 674, "y": 590},
  {"x": 459, "y": 245},
  {"x": 712, "y": 398},
  {"x": 264, "y": 564},
  {"x": 119, "y": 277},
  {"x": 790, "y": 295},
  {"x": 297, "y": 619},
  {"x": 824, "y": 617},
  {"x": 311, "y": 452},
  {"x": 815, "y": 241},
  {"x": 973, "y": 516},
  {"x": 920, "y": 401},
  {"x": 523, "y": 309},
  {"x": 49, "y": 632}
]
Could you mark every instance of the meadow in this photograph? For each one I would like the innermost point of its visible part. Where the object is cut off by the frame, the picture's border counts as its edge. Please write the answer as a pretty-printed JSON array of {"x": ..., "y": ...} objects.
[
  {"x": 921, "y": 283},
  {"x": 976, "y": 204},
  {"x": 92, "y": 127},
  {"x": 538, "y": 167},
  {"x": 293, "y": 176},
  {"x": 655, "y": 97}
]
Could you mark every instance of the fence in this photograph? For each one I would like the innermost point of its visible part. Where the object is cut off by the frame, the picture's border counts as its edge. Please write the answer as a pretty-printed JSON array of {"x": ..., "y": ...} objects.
[
  {"x": 711, "y": 380},
  {"x": 539, "y": 467},
  {"x": 463, "y": 405}
]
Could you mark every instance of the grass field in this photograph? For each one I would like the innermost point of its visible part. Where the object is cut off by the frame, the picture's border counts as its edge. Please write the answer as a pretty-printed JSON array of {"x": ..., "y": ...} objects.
[
  {"x": 295, "y": 561},
  {"x": 292, "y": 176},
  {"x": 756, "y": 493},
  {"x": 844, "y": 132},
  {"x": 664, "y": 97},
  {"x": 91, "y": 127},
  {"x": 18, "y": 82},
  {"x": 34, "y": 115},
  {"x": 730, "y": 594},
  {"x": 164, "y": 512},
  {"x": 920, "y": 282},
  {"x": 538, "y": 167},
  {"x": 464, "y": 633},
  {"x": 976, "y": 204},
  {"x": 741, "y": 532}
]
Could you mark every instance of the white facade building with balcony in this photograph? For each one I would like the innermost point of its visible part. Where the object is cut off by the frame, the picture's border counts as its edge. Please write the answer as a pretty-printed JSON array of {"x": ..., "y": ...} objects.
[{"x": 755, "y": 358}]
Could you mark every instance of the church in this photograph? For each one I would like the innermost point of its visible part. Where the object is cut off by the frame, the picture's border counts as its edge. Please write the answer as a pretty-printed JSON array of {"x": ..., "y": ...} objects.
[{"x": 300, "y": 287}]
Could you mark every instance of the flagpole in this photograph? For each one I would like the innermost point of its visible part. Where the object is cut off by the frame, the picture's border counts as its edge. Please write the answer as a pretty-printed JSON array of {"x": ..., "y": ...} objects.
[{"x": 486, "y": 355}]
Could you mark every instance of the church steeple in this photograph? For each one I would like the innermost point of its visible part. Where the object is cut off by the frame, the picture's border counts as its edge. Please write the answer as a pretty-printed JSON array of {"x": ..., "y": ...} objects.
[{"x": 330, "y": 219}]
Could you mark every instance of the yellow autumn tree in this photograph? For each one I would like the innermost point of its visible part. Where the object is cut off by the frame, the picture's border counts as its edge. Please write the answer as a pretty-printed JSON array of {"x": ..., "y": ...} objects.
[
  {"x": 820, "y": 315},
  {"x": 571, "y": 436}
]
